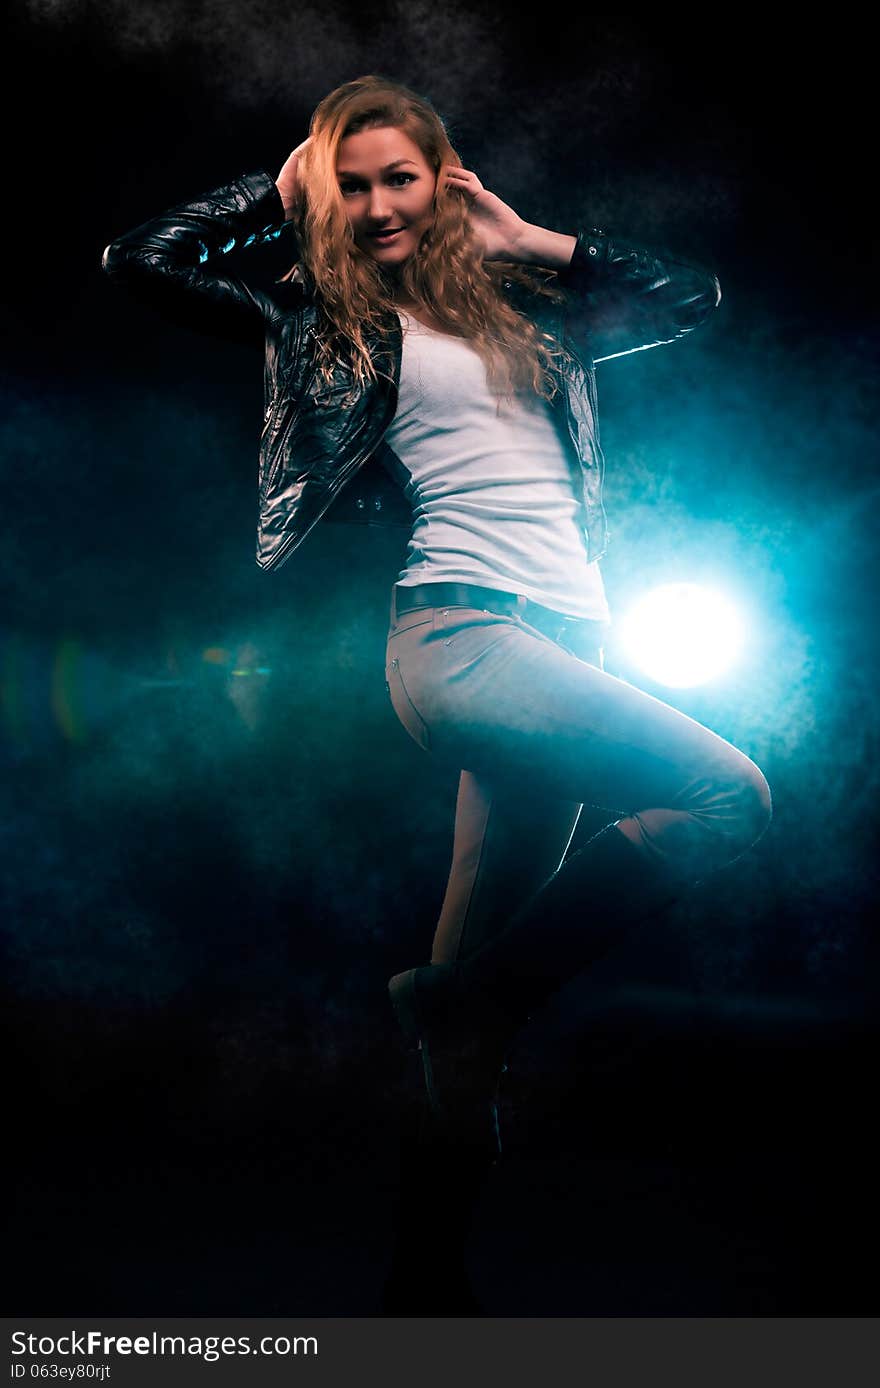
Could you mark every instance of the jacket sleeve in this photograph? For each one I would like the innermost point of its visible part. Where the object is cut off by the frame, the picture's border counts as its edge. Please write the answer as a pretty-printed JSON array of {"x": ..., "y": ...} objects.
[
  {"x": 625, "y": 298},
  {"x": 174, "y": 262}
]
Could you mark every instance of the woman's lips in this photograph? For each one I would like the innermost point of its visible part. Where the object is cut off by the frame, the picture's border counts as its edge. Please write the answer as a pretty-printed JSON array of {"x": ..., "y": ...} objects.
[{"x": 386, "y": 235}]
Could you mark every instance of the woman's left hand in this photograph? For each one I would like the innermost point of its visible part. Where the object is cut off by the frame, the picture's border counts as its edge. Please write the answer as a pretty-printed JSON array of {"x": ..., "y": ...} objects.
[{"x": 501, "y": 230}]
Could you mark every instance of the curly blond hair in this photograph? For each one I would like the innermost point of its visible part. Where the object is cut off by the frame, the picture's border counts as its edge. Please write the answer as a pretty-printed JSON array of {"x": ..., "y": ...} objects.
[{"x": 447, "y": 274}]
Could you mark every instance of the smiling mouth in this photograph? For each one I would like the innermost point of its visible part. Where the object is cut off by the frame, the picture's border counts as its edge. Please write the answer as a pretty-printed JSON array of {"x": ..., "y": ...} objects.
[{"x": 385, "y": 235}]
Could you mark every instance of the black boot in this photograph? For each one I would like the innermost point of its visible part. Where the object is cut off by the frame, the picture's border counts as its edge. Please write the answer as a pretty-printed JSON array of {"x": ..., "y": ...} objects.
[
  {"x": 462, "y": 1038},
  {"x": 590, "y": 905}
]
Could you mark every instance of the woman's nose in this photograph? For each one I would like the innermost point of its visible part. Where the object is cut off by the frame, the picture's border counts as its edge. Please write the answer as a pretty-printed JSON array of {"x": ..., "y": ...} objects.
[{"x": 379, "y": 210}]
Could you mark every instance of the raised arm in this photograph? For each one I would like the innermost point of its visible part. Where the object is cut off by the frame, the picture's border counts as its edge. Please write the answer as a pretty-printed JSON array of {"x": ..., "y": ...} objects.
[
  {"x": 624, "y": 298},
  {"x": 174, "y": 262},
  {"x": 629, "y": 298}
]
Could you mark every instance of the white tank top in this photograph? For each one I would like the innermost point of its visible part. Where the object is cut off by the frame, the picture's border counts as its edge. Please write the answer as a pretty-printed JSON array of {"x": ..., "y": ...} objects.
[{"x": 493, "y": 494}]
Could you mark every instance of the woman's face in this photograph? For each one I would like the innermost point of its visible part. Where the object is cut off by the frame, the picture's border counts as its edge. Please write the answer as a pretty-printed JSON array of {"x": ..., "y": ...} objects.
[{"x": 387, "y": 186}]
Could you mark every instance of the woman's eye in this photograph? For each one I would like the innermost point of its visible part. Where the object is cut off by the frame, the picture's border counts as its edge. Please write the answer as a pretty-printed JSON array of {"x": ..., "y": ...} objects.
[{"x": 397, "y": 180}]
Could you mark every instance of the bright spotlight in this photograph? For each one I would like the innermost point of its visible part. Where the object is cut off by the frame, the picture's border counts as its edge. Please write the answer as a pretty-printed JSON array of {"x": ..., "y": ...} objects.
[{"x": 682, "y": 634}]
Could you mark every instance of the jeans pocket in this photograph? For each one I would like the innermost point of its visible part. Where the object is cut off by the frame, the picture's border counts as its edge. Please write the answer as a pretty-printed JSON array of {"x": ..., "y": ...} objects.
[{"x": 404, "y": 707}]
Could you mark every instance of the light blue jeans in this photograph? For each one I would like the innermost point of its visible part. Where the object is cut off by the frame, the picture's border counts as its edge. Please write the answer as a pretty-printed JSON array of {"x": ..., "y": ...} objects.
[{"x": 537, "y": 730}]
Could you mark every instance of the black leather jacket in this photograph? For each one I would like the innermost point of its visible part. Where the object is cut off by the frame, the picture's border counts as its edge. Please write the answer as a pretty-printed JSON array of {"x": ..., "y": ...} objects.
[{"x": 316, "y": 438}]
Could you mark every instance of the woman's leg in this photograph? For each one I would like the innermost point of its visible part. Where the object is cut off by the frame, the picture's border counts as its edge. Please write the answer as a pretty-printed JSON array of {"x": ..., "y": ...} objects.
[
  {"x": 541, "y": 732},
  {"x": 505, "y": 848}
]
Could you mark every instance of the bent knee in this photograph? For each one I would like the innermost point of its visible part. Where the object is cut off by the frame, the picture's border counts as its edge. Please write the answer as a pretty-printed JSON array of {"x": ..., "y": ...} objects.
[
  {"x": 755, "y": 803},
  {"x": 733, "y": 803}
]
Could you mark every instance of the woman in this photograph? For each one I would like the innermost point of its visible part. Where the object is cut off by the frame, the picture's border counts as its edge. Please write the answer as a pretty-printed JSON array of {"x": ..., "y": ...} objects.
[{"x": 429, "y": 334}]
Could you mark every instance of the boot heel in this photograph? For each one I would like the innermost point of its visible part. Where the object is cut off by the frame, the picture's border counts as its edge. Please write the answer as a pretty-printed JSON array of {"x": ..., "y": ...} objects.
[
  {"x": 402, "y": 991},
  {"x": 460, "y": 1065}
]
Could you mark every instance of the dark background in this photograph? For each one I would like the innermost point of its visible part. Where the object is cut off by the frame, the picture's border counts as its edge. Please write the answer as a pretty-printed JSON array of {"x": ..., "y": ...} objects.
[{"x": 218, "y": 842}]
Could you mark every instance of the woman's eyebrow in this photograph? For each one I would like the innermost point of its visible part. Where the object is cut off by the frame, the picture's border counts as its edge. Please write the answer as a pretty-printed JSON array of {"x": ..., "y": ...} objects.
[{"x": 348, "y": 173}]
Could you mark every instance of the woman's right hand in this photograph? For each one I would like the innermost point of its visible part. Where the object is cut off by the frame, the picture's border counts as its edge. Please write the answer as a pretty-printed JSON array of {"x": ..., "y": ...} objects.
[{"x": 289, "y": 182}]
